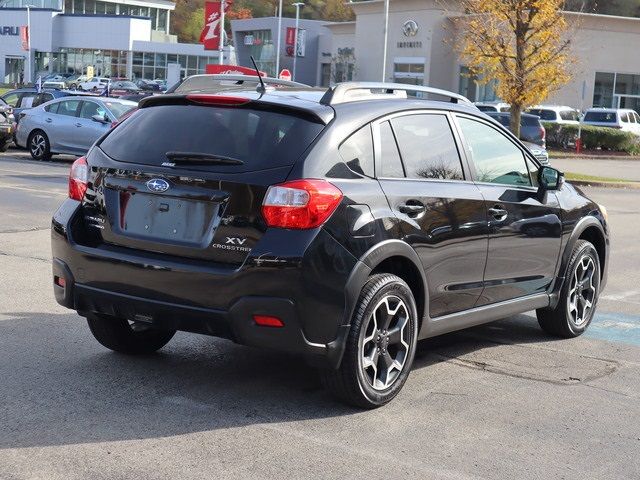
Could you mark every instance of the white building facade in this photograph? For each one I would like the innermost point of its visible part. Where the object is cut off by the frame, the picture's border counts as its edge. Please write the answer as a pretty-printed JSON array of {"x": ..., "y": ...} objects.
[
  {"x": 423, "y": 35},
  {"x": 118, "y": 38}
]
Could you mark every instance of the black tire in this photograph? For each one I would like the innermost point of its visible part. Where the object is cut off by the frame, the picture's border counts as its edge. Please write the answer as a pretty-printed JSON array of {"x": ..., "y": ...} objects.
[
  {"x": 39, "y": 146},
  {"x": 570, "y": 319},
  {"x": 79, "y": 87},
  {"x": 4, "y": 145},
  {"x": 353, "y": 382},
  {"x": 118, "y": 335}
]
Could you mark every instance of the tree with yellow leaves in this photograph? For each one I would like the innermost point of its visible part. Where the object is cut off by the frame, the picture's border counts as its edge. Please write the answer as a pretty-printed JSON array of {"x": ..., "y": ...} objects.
[{"x": 521, "y": 44}]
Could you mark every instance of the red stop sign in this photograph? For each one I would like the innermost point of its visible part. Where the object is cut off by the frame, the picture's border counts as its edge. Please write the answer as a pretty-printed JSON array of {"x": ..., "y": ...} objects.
[{"x": 285, "y": 75}]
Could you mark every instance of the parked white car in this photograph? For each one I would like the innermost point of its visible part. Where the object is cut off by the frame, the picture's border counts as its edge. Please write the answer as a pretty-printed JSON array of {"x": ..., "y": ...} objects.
[
  {"x": 94, "y": 84},
  {"x": 556, "y": 114},
  {"x": 493, "y": 106},
  {"x": 622, "y": 118}
]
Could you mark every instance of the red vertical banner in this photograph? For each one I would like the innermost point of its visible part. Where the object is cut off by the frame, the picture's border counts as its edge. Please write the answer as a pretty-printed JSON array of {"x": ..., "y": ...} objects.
[
  {"x": 24, "y": 37},
  {"x": 291, "y": 36},
  {"x": 212, "y": 31}
]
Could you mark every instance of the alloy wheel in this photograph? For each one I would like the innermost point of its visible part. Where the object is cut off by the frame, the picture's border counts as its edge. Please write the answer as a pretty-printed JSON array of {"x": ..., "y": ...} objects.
[
  {"x": 385, "y": 346},
  {"x": 38, "y": 145},
  {"x": 582, "y": 292}
]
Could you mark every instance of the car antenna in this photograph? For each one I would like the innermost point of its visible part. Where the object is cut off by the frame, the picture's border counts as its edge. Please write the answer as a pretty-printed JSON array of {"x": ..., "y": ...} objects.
[{"x": 262, "y": 89}]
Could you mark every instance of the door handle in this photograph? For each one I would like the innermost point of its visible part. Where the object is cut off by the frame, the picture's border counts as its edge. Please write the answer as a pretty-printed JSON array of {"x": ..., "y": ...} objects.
[
  {"x": 498, "y": 213},
  {"x": 412, "y": 208},
  {"x": 48, "y": 120},
  {"x": 78, "y": 124}
]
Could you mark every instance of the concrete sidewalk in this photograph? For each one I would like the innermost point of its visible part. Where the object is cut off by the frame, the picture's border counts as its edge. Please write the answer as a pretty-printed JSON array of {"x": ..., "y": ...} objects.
[{"x": 623, "y": 169}]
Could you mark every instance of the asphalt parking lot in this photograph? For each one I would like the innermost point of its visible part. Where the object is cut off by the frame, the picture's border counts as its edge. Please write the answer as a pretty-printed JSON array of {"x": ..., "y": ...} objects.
[{"x": 494, "y": 402}]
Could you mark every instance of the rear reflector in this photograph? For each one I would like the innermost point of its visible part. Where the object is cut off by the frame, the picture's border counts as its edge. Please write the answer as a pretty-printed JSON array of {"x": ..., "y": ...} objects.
[
  {"x": 268, "y": 321},
  {"x": 220, "y": 100},
  {"x": 59, "y": 281}
]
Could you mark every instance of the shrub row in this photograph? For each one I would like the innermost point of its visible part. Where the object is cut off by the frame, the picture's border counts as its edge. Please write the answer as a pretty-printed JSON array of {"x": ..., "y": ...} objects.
[{"x": 593, "y": 138}]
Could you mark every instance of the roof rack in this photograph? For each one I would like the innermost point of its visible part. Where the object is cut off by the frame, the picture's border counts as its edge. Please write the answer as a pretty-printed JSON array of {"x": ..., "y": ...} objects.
[{"x": 359, "y": 91}]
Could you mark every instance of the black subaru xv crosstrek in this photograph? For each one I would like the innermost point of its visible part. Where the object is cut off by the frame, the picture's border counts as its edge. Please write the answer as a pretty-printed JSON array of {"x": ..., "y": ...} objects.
[{"x": 343, "y": 228}]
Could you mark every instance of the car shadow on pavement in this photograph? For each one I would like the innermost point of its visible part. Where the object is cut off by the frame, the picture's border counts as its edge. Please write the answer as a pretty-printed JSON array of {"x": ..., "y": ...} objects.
[{"x": 59, "y": 386}]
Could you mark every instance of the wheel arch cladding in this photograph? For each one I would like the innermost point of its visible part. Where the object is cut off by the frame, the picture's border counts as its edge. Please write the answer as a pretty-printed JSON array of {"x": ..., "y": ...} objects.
[
  {"x": 407, "y": 271},
  {"x": 595, "y": 236},
  {"x": 398, "y": 258}
]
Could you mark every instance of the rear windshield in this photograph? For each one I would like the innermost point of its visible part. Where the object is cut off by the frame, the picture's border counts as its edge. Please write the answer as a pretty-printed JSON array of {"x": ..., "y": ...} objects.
[
  {"x": 602, "y": 117},
  {"x": 260, "y": 139},
  {"x": 543, "y": 114},
  {"x": 529, "y": 121}
]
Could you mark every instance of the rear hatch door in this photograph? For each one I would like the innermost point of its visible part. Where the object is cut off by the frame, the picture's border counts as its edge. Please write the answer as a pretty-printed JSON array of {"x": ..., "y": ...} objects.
[{"x": 189, "y": 180}]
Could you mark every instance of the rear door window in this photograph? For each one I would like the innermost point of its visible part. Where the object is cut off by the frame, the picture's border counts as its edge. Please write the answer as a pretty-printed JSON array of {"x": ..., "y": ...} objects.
[
  {"x": 261, "y": 139},
  {"x": 427, "y": 147},
  {"x": 624, "y": 117},
  {"x": 68, "y": 108},
  {"x": 357, "y": 152}
]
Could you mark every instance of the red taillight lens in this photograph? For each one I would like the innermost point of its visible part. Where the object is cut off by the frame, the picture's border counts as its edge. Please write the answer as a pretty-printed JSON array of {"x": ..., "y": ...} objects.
[
  {"x": 300, "y": 204},
  {"x": 220, "y": 100},
  {"x": 268, "y": 321},
  {"x": 543, "y": 132},
  {"x": 78, "y": 178}
]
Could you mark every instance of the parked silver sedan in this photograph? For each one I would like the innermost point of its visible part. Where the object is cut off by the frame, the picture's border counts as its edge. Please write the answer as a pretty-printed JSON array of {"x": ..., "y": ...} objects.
[{"x": 68, "y": 125}]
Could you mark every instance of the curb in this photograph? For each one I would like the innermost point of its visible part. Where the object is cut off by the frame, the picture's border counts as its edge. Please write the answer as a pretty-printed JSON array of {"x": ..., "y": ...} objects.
[{"x": 587, "y": 183}]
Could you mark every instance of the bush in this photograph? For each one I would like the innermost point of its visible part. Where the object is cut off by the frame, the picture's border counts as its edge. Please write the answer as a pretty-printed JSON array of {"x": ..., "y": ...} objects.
[{"x": 593, "y": 138}]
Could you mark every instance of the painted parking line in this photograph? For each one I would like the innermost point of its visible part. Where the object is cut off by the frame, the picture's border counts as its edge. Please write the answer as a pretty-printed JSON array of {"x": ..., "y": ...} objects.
[{"x": 615, "y": 327}]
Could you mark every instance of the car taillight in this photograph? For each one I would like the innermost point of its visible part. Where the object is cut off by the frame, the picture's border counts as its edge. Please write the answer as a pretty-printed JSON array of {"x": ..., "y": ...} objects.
[
  {"x": 78, "y": 178},
  {"x": 300, "y": 204},
  {"x": 543, "y": 132}
]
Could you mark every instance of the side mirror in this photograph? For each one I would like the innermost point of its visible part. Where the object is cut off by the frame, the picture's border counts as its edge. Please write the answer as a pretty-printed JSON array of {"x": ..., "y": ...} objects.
[
  {"x": 100, "y": 119},
  {"x": 550, "y": 178}
]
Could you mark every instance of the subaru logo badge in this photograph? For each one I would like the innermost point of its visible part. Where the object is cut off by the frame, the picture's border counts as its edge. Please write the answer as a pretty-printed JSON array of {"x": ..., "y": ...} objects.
[{"x": 158, "y": 185}]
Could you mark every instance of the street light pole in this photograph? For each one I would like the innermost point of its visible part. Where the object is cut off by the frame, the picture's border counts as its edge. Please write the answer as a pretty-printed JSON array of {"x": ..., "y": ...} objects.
[
  {"x": 386, "y": 40},
  {"x": 278, "y": 47},
  {"x": 221, "y": 44},
  {"x": 295, "y": 47},
  {"x": 29, "y": 40}
]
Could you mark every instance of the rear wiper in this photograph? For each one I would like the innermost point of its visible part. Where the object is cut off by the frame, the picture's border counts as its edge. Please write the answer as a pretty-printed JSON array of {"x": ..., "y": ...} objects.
[{"x": 208, "y": 158}]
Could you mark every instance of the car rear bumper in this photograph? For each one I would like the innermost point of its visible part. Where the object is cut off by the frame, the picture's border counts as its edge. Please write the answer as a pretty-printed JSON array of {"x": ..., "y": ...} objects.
[{"x": 194, "y": 297}]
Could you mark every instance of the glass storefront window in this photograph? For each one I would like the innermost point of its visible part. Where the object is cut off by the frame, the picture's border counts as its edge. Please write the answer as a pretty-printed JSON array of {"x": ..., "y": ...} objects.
[
  {"x": 162, "y": 20},
  {"x": 172, "y": 58},
  {"x": 89, "y": 6},
  {"x": 148, "y": 59},
  {"x": 78, "y": 6},
  {"x": 160, "y": 73},
  {"x": 182, "y": 60},
  {"x": 161, "y": 59},
  {"x": 137, "y": 58},
  {"x": 192, "y": 62},
  {"x": 110, "y": 8}
]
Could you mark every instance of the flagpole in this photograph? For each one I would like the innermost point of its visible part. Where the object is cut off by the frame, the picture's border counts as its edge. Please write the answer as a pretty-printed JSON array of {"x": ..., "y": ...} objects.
[{"x": 221, "y": 45}]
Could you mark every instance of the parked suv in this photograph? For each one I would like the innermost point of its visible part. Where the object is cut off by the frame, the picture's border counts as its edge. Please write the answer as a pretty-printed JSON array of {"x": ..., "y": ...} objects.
[
  {"x": 531, "y": 129},
  {"x": 624, "y": 119},
  {"x": 556, "y": 114},
  {"x": 342, "y": 228}
]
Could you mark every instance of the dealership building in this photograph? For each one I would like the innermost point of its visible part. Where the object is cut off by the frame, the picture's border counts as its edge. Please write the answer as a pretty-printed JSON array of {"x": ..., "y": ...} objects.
[
  {"x": 118, "y": 38},
  {"x": 423, "y": 35}
]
